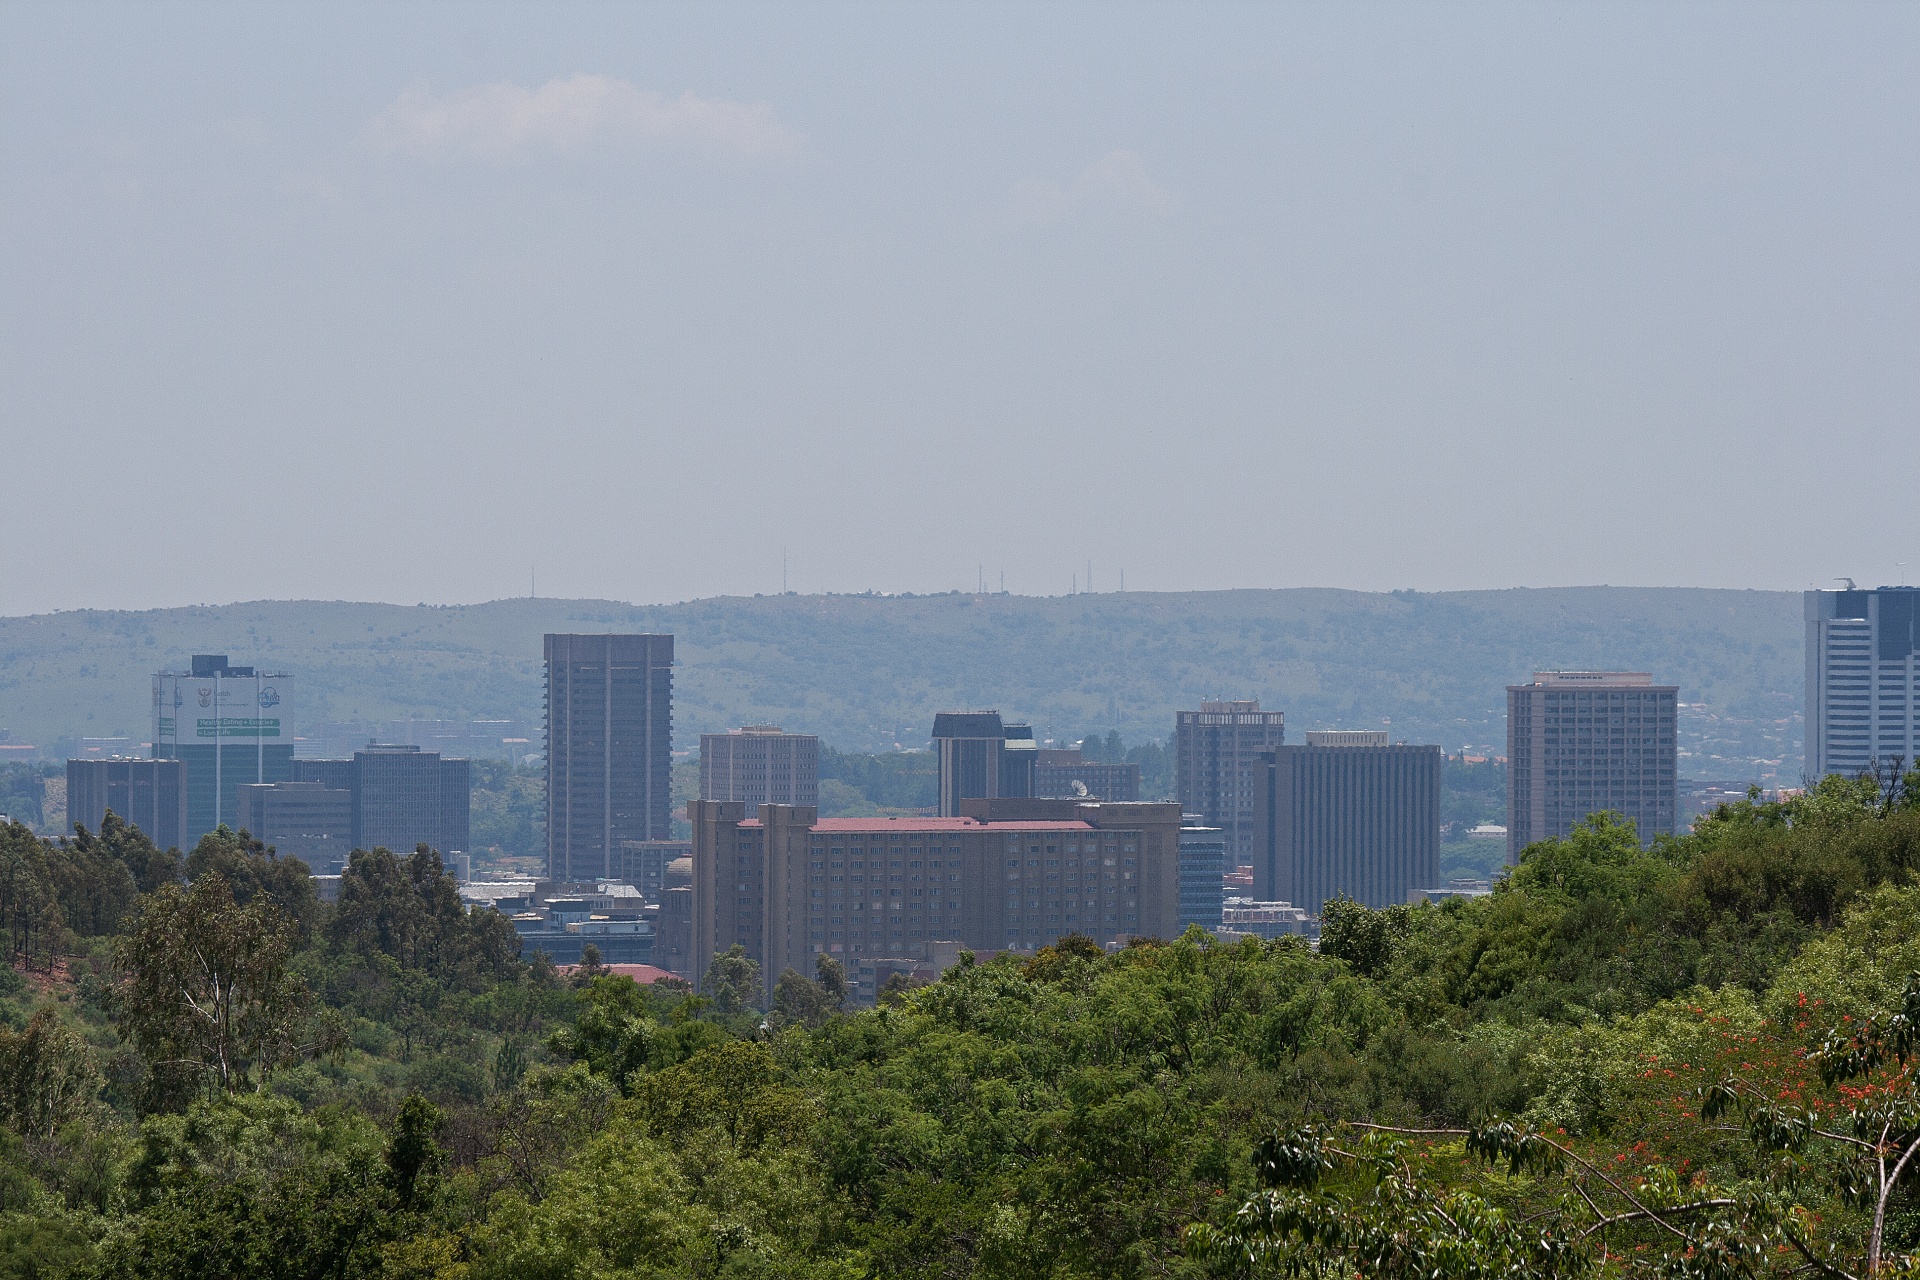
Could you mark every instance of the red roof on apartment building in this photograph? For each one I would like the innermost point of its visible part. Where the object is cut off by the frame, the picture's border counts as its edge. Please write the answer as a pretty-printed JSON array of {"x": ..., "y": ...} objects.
[{"x": 640, "y": 973}]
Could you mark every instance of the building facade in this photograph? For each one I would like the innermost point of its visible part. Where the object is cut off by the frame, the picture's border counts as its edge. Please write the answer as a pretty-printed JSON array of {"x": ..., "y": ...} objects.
[
  {"x": 1203, "y": 867},
  {"x": 403, "y": 797},
  {"x": 1348, "y": 815},
  {"x": 1863, "y": 679},
  {"x": 1583, "y": 742},
  {"x": 644, "y": 863},
  {"x": 982, "y": 758},
  {"x": 760, "y": 764},
  {"x": 231, "y": 727},
  {"x": 609, "y": 744},
  {"x": 1012, "y": 874},
  {"x": 148, "y": 794},
  {"x": 400, "y": 797},
  {"x": 304, "y": 820},
  {"x": 1069, "y": 775},
  {"x": 1217, "y": 765}
]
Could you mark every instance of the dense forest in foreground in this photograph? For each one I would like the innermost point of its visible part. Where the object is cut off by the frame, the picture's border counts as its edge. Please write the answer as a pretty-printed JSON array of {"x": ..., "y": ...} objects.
[{"x": 1690, "y": 1060}]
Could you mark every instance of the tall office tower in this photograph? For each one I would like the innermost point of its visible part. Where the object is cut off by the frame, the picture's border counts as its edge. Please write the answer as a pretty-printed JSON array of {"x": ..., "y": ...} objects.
[
  {"x": 609, "y": 750},
  {"x": 403, "y": 797},
  {"x": 1013, "y": 874},
  {"x": 303, "y": 820},
  {"x": 1579, "y": 742},
  {"x": 982, "y": 758},
  {"x": 1348, "y": 815},
  {"x": 760, "y": 764},
  {"x": 148, "y": 794},
  {"x": 1217, "y": 766},
  {"x": 229, "y": 724},
  {"x": 1863, "y": 679},
  {"x": 1203, "y": 859},
  {"x": 1069, "y": 775}
]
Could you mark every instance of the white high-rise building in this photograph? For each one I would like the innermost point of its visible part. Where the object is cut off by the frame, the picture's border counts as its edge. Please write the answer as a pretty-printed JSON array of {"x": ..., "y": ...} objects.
[{"x": 1863, "y": 678}]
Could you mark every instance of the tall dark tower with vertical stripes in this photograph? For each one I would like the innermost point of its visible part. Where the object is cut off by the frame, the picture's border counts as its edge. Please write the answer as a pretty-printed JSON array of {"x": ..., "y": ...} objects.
[{"x": 609, "y": 750}]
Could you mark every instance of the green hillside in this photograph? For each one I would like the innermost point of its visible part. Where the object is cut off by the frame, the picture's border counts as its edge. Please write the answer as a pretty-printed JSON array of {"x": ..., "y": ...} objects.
[{"x": 866, "y": 672}]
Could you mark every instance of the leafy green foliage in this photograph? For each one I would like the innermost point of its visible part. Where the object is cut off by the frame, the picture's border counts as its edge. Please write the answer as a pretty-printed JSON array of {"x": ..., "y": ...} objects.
[
  {"x": 409, "y": 910},
  {"x": 508, "y": 809},
  {"x": 208, "y": 989},
  {"x": 1693, "y": 1059},
  {"x": 733, "y": 981},
  {"x": 901, "y": 780}
]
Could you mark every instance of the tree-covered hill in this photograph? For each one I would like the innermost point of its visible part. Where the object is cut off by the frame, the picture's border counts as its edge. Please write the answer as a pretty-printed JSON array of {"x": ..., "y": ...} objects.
[
  {"x": 1695, "y": 1061},
  {"x": 868, "y": 671}
]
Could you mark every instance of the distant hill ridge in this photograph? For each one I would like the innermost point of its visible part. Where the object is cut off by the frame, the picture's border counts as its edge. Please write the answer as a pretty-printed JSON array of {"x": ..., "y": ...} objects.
[{"x": 867, "y": 671}]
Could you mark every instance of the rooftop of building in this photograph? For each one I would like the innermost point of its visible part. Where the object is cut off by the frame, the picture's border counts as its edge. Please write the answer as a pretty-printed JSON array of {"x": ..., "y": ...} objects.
[
  {"x": 968, "y": 724},
  {"x": 1638, "y": 679},
  {"x": 1347, "y": 738},
  {"x": 863, "y": 826},
  {"x": 209, "y": 666}
]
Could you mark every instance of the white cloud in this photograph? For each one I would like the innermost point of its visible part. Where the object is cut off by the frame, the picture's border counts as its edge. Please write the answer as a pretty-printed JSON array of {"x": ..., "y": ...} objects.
[
  {"x": 1118, "y": 178},
  {"x": 571, "y": 115}
]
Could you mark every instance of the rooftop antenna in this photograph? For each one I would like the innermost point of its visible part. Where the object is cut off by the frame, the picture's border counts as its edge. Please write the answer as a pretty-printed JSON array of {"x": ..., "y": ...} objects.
[
  {"x": 783, "y": 571},
  {"x": 529, "y": 582}
]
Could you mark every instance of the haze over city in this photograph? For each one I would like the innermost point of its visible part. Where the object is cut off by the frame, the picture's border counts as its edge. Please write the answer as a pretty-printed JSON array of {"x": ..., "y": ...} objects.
[
  {"x": 445, "y": 304},
  {"x": 996, "y": 642}
]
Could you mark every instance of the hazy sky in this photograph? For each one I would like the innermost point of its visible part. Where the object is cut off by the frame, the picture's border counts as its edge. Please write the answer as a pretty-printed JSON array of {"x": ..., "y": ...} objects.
[{"x": 396, "y": 302}]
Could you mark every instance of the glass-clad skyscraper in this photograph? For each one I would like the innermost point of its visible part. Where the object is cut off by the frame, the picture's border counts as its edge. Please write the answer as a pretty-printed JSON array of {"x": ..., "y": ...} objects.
[{"x": 1863, "y": 675}]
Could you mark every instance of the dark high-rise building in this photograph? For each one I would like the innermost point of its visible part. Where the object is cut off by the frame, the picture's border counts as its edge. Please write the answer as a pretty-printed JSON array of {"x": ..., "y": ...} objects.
[
  {"x": 1070, "y": 775},
  {"x": 982, "y": 758},
  {"x": 403, "y": 797},
  {"x": 148, "y": 794},
  {"x": 400, "y": 795},
  {"x": 304, "y": 820},
  {"x": 229, "y": 724},
  {"x": 1583, "y": 742},
  {"x": 1348, "y": 815},
  {"x": 1863, "y": 679},
  {"x": 456, "y": 805},
  {"x": 1217, "y": 761},
  {"x": 760, "y": 764},
  {"x": 1011, "y": 873},
  {"x": 609, "y": 750},
  {"x": 396, "y": 798},
  {"x": 1203, "y": 858}
]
